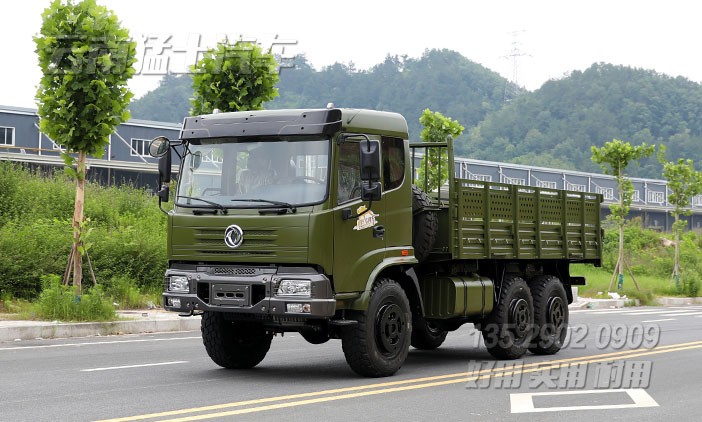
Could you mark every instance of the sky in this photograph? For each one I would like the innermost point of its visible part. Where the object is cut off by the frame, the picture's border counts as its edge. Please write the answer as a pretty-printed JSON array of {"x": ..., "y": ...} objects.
[{"x": 528, "y": 41}]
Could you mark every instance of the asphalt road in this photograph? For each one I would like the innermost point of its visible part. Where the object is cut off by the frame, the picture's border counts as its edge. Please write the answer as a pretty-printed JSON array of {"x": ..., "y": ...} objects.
[{"x": 638, "y": 364}]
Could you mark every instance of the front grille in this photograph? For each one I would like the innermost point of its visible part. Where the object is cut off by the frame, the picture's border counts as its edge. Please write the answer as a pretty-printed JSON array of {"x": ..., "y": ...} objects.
[
  {"x": 236, "y": 253},
  {"x": 256, "y": 242},
  {"x": 234, "y": 271}
]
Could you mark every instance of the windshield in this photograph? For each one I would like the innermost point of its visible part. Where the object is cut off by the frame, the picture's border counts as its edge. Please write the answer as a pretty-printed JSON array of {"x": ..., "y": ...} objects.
[{"x": 233, "y": 173}]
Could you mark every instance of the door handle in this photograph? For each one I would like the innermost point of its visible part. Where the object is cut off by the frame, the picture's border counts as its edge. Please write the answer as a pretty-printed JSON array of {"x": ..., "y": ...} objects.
[{"x": 378, "y": 231}]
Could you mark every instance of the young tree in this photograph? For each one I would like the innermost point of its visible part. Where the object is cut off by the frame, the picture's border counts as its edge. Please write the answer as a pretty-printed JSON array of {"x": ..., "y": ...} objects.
[
  {"x": 233, "y": 78},
  {"x": 86, "y": 59},
  {"x": 684, "y": 182},
  {"x": 614, "y": 157},
  {"x": 436, "y": 128}
]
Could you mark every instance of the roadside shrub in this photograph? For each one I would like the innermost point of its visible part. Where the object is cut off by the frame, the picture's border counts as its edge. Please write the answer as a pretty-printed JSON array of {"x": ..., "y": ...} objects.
[
  {"x": 689, "y": 284},
  {"x": 29, "y": 251},
  {"x": 58, "y": 302},
  {"x": 129, "y": 252},
  {"x": 128, "y": 231},
  {"x": 125, "y": 293}
]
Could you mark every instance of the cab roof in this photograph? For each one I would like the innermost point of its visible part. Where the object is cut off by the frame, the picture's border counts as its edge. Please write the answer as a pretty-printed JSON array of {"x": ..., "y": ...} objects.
[{"x": 294, "y": 122}]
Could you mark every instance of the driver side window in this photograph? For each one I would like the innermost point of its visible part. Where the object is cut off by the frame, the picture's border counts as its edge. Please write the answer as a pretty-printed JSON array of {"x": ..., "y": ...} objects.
[{"x": 349, "y": 177}]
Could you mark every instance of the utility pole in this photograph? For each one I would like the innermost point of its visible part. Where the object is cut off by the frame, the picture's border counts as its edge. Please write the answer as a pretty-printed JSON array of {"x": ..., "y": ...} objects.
[{"x": 515, "y": 53}]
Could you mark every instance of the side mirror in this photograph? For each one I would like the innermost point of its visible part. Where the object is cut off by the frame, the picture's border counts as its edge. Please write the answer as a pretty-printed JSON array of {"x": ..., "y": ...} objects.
[
  {"x": 164, "y": 176},
  {"x": 370, "y": 160},
  {"x": 164, "y": 193},
  {"x": 164, "y": 169},
  {"x": 159, "y": 146},
  {"x": 371, "y": 191}
]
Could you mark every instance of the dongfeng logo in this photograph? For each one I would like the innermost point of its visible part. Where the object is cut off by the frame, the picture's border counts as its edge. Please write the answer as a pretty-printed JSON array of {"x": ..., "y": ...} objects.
[{"x": 233, "y": 236}]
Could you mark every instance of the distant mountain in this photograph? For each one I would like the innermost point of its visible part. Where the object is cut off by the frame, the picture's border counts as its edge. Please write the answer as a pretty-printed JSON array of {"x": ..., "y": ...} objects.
[
  {"x": 441, "y": 80},
  {"x": 554, "y": 126},
  {"x": 169, "y": 102}
]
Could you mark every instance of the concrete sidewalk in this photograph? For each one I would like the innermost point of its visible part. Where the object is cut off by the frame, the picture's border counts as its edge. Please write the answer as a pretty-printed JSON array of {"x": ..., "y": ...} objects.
[{"x": 131, "y": 322}]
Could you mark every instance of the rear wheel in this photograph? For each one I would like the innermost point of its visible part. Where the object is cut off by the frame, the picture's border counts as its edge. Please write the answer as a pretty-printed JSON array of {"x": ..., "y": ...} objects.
[
  {"x": 427, "y": 335},
  {"x": 378, "y": 344},
  {"x": 550, "y": 315},
  {"x": 509, "y": 328},
  {"x": 234, "y": 345}
]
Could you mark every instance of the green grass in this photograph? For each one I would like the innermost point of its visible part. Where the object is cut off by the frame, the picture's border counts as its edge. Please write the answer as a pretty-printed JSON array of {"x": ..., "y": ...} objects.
[{"x": 598, "y": 282}]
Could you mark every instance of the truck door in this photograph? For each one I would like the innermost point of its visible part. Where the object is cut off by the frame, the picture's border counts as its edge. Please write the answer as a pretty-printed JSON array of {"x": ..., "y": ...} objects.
[{"x": 359, "y": 244}]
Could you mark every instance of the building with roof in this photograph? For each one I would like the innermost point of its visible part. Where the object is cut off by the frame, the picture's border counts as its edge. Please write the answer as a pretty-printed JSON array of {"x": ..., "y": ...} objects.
[{"x": 126, "y": 160}]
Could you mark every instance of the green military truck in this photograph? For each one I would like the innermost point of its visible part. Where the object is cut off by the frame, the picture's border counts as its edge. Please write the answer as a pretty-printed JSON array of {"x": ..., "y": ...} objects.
[{"x": 308, "y": 221}]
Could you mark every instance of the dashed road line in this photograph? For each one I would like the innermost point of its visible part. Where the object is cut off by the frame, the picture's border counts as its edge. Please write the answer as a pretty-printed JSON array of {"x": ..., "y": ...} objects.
[{"x": 143, "y": 365}]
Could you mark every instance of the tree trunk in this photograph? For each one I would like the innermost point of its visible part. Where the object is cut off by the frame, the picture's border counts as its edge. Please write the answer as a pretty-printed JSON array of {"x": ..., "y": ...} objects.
[
  {"x": 676, "y": 259},
  {"x": 77, "y": 221},
  {"x": 620, "y": 260}
]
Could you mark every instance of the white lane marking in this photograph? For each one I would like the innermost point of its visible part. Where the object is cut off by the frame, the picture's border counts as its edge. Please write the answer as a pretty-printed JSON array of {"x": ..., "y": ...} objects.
[
  {"x": 51, "y": 346},
  {"x": 600, "y": 311},
  {"x": 109, "y": 368},
  {"x": 661, "y": 320},
  {"x": 524, "y": 403},
  {"x": 683, "y": 313},
  {"x": 635, "y": 311},
  {"x": 672, "y": 312}
]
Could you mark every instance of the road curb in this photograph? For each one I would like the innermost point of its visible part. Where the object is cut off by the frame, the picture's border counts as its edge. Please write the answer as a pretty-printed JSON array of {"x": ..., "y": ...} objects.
[
  {"x": 29, "y": 330},
  {"x": 673, "y": 301}
]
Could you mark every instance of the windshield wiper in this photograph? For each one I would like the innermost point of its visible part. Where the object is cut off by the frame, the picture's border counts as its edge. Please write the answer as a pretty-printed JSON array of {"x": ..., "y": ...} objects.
[
  {"x": 216, "y": 205},
  {"x": 285, "y": 206}
]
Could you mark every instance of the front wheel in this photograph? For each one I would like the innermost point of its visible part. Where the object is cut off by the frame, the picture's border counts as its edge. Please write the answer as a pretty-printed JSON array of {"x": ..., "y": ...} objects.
[
  {"x": 378, "y": 344},
  {"x": 232, "y": 344}
]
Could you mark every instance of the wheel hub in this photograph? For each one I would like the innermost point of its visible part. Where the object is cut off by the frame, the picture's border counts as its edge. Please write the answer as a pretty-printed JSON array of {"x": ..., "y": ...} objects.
[
  {"x": 520, "y": 317},
  {"x": 556, "y": 312},
  {"x": 390, "y": 328}
]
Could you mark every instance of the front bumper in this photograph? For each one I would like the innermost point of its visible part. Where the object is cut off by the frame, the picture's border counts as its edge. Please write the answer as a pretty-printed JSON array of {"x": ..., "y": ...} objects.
[{"x": 249, "y": 290}]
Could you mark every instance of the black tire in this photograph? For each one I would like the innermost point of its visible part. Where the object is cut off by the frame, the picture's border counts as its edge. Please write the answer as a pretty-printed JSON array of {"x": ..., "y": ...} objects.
[
  {"x": 550, "y": 315},
  {"x": 509, "y": 328},
  {"x": 378, "y": 344},
  {"x": 234, "y": 345},
  {"x": 426, "y": 335},
  {"x": 425, "y": 224}
]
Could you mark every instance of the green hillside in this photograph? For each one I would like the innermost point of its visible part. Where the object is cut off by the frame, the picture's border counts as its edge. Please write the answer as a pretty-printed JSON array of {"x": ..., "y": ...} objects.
[
  {"x": 554, "y": 126},
  {"x": 442, "y": 80}
]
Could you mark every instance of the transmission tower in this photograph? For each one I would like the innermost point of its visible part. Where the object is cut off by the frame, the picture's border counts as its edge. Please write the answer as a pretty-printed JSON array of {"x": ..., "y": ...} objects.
[{"x": 515, "y": 53}]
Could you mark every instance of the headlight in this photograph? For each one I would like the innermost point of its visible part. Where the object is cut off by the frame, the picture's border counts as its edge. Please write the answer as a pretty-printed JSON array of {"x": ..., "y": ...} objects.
[
  {"x": 298, "y": 288},
  {"x": 178, "y": 283}
]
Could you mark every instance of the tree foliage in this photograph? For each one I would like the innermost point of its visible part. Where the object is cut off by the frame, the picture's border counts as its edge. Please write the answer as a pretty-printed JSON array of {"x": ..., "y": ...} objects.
[
  {"x": 437, "y": 128},
  {"x": 233, "y": 77},
  {"x": 684, "y": 182},
  {"x": 614, "y": 158},
  {"x": 86, "y": 59}
]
